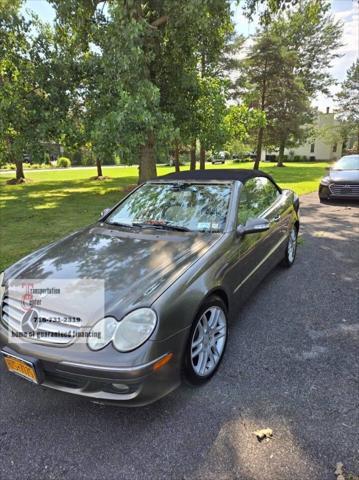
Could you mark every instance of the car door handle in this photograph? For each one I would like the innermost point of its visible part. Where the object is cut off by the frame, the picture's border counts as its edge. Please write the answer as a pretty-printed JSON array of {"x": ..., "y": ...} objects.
[{"x": 276, "y": 219}]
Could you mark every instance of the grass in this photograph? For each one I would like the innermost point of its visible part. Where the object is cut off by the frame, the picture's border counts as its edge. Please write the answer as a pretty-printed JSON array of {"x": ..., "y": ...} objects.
[{"x": 57, "y": 202}]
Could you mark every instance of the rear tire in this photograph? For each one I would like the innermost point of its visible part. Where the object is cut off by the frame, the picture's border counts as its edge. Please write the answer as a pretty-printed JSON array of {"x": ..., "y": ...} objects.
[
  {"x": 291, "y": 249},
  {"x": 207, "y": 342}
]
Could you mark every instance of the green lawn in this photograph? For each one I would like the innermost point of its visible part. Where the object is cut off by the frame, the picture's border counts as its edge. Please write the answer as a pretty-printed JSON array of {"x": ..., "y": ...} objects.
[{"x": 57, "y": 202}]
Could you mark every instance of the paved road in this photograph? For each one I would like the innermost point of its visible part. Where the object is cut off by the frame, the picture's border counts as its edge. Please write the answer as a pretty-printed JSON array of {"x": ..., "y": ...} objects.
[{"x": 291, "y": 365}]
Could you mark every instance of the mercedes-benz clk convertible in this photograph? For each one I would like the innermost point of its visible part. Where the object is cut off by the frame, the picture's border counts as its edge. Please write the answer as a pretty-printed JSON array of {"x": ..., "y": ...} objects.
[{"x": 125, "y": 309}]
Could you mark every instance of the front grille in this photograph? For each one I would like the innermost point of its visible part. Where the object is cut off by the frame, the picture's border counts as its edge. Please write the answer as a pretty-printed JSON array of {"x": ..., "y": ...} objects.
[
  {"x": 59, "y": 332},
  {"x": 346, "y": 190}
]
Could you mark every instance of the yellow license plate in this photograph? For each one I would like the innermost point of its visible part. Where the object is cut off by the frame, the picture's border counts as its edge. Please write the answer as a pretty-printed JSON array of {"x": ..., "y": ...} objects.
[{"x": 22, "y": 368}]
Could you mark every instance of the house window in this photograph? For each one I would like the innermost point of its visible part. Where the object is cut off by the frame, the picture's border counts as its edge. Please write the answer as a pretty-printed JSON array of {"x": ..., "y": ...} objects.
[
  {"x": 334, "y": 147},
  {"x": 312, "y": 146}
]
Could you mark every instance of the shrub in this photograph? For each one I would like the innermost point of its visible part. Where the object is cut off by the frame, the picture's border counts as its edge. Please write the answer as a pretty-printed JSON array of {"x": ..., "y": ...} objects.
[
  {"x": 304, "y": 158},
  {"x": 296, "y": 158},
  {"x": 63, "y": 162},
  {"x": 9, "y": 166}
]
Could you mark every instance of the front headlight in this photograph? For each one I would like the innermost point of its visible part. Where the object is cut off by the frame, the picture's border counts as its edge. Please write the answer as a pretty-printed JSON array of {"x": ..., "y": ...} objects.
[
  {"x": 134, "y": 329},
  {"x": 325, "y": 181},
  {"x": 101, "y": 334},
  {"x": 131, "y": 332}
]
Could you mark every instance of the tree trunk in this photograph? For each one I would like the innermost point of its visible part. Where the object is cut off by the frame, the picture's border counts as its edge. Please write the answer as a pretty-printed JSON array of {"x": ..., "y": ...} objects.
[
  {"x": 281, "y": 154},
  {"x": 147, "y": 167},
  {"x": 19, "y": 170},
  {"x": 259, "y": 148},
  {"x": 261, "y": 130},
  {"x": 99, "y": 167},
  {"x": 193, "y": 155},
  {"x": 176, "y": 158},
  {"x": 202, "y": 157}
]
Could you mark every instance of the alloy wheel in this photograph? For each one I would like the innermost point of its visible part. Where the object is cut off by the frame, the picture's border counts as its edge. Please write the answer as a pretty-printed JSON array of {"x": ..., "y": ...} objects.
[
  {"x": 292, "y": 245},
  {"x": 208, "y": 341}
]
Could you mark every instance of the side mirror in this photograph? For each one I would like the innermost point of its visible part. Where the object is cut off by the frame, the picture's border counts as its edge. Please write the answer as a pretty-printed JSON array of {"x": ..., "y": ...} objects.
[
  {"x": 255, "y": 225},
  {"x": 104, "y": 212}
]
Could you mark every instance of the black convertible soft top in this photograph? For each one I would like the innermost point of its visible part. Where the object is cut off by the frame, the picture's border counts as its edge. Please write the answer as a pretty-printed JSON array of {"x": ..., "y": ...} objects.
[{"x": 220, "y": 174}]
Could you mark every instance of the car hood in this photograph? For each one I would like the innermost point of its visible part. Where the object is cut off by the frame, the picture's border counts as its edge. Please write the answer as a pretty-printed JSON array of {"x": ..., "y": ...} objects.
[
  {"x": 344, "y": 176},
  {"x": 136, "y": 265}
]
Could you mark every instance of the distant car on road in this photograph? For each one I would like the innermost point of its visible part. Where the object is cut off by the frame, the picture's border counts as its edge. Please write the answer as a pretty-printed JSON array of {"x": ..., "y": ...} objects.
[
  {"x": 178, "y": 256},
  {"x": 219, "y": 157},
  {"x": 342, "y": 181}
]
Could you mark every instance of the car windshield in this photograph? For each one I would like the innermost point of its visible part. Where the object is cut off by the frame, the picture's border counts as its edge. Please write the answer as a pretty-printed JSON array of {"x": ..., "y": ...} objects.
[
  {"x": 350, "y": 162},
  {"x": 178, "y": 206}
]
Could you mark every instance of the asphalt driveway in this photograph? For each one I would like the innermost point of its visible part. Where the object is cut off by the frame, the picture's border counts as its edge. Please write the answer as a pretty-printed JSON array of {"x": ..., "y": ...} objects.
[{"x": 291, "y": 365}]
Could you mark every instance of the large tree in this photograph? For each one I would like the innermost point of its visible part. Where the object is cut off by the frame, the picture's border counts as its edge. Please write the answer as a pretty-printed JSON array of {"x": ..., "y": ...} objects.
[
  {"x": 348, "y": 102},
  {"x": 294, "y": 52},
  {"x": 30, "y": 100},
  {"x": 141, "y": 80}
]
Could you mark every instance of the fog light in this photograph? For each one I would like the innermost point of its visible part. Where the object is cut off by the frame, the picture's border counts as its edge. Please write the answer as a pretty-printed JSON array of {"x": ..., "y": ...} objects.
[{"x": 121, "y": 387}]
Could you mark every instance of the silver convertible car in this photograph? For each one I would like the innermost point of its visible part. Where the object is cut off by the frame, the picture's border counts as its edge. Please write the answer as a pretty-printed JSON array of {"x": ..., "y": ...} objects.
[{"x": 177, "y": 257}]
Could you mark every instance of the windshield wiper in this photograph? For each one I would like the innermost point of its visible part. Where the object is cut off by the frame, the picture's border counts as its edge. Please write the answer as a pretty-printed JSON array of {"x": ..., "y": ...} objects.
[
  {"x": 119, "y": 224},
  {"x": 160, "y": 225}
]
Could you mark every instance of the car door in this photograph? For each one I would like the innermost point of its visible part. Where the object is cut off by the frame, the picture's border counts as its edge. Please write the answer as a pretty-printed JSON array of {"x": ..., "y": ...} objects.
[{"x": 259, "y": 197}]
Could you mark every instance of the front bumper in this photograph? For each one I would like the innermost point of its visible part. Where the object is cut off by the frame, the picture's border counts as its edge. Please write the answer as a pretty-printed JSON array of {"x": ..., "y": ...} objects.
[{"x": 136, "y": 385}]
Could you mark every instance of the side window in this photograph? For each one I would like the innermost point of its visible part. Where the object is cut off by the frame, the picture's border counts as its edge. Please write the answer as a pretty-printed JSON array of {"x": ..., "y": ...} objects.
[{"x": 256, "y": 196}]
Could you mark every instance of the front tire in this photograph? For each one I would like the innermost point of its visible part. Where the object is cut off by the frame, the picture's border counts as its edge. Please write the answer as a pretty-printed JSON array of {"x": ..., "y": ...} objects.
[
  {"x": 207, "y": 342},
  {"x": 291, "y": 250}
]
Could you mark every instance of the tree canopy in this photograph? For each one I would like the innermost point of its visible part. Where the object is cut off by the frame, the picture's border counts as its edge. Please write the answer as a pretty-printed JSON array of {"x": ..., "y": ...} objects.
[
  {"x": 348, "y": 103},
  {"x": 286, "y": 67},
  {"x": 141, "y": 80}
]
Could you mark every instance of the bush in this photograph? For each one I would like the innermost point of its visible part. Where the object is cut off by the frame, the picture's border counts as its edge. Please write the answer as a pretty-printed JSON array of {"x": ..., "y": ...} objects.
[
  {"x": 8, "y": 166},
  {"x": 63, "y": 162}
]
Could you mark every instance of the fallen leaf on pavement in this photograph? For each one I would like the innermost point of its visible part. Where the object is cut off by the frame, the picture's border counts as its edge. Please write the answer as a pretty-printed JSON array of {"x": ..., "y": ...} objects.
[
  {"x": 339, "y": 469},
  {"x": 264, "y": 433}
]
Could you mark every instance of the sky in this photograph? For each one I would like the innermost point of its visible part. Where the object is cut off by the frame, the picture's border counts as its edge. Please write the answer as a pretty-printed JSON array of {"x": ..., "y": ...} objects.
[{"x": 345, "y": 10}]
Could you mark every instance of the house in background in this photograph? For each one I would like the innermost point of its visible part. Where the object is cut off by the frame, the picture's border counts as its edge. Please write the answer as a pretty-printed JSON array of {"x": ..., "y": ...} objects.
[{"x": 319, "y": 148}]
